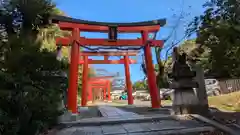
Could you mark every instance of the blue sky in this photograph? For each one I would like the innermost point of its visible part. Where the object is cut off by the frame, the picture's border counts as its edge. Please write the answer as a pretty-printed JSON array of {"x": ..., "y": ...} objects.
[{"x": 135, "y": 10}]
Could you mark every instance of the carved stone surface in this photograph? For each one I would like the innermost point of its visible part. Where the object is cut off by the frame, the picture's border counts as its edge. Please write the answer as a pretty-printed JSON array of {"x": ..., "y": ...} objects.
[
  {"x": 185, "y": 101},
  {"x": 184, "y": 84}
]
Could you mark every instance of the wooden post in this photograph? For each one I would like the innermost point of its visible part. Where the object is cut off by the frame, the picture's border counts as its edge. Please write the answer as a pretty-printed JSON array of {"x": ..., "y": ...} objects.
[
  {"x": 128, "y": 80},
  {"x": 73, "y": 76},
  {"x": 93, "y": 94},
  {"x": 151, "y": 77},
  {"x": 85, "y": 81},
  {"x": 90, "y": 91},
  {"x": 104, "y": 93},
  {"x": 109, "y": 90}
]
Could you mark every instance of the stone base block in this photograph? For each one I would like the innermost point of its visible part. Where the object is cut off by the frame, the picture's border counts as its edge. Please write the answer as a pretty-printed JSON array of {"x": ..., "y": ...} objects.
[{"x": 190, "y": 109}]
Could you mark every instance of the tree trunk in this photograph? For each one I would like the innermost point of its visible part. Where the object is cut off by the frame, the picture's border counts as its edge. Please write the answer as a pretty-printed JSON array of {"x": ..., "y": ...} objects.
[{"x": 160, "y": 73}]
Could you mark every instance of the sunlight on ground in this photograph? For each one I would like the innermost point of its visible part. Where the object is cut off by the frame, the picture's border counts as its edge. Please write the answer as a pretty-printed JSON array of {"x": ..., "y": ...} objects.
[
  {"x": 227, "y": 102},
  {"x": 166, "y": 102}
]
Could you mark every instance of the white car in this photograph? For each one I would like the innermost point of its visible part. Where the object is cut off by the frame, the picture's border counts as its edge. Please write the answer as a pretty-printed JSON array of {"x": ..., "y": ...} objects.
[
  {"x": 166, "y": 94},
  {"x": 115, "y": 96},
  {"x": 147, "y": 97},
  {"x": 212, "y": 87}
]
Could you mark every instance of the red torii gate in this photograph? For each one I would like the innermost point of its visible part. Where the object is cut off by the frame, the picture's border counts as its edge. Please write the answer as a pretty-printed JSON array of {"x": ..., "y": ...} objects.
[
  {"x": 77, "y": 26},
  {"x": 99, "y": 83},
  {"x": 126, "y": 61}
]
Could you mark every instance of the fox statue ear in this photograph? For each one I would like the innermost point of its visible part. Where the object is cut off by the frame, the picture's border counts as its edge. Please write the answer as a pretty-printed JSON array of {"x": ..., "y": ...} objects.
[
  {"x": 175, "y": 54},
  {"x": 183, "y": 58}
]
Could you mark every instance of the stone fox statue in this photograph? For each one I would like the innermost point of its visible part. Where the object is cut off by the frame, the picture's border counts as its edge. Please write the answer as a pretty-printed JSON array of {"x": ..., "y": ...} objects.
[{"x": 179, "y": 60}]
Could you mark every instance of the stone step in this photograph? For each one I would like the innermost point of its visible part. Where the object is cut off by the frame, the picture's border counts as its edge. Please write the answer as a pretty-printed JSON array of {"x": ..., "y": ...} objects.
[
  {"x": 109, "y": 111},
  {"x": 149, "y": 128},
  {"x": 117, "y": 119}
]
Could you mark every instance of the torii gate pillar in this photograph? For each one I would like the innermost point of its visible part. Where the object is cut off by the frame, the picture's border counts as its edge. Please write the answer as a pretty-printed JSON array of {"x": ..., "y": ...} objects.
[
  {"x": 151, "y": 77},
  {"x": 73, "y": 79},
  {"x": 109, "y": 89},
  {"x": 128, "y": 80},
  {"x": 84, "y": 81}
]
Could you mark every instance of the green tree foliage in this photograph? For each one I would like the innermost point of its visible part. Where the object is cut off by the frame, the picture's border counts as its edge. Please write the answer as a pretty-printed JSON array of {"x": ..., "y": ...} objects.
[
  {"x": 91, "y": 73},
  {"x": 194, "y": 51},
  {"x": 140, "y": 85},
  {"x": 218, "y": 30},
  {"x": 31, "y": 81}
]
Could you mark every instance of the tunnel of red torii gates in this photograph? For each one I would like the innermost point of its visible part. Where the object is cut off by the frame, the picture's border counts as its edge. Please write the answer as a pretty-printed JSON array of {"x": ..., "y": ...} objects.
[
  {"x": 86, "y": 82},
  {"x": 99, "y": 86},
  {"x": 75, "y": 41}
]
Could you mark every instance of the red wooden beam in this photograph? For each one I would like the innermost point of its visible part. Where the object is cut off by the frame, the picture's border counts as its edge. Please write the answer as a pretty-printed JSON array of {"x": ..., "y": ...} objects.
[
  {"x": 101, "y": 86},
  {"x": 109, "y": 53},
  {"x": 105, "y": 42},
  {"x": 98, "y": 83},
  {"x": 121, "y": 61},
  {"x": 99, "y": 80},
  {"x": 100, "y": 77},
  {"x": 96, "y": 28}
]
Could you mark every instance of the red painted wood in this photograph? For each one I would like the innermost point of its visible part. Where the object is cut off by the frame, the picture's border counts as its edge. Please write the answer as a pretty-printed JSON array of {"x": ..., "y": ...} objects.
[
  {"x": 104, "y": 93},
  {"x": 96, "y": 28},
  {"x": 90, "y": 93},
  {"x": 105, "y": 57},
  {"x": 110, "y": 53},
  {"x": 121, "y": 61},
  {"x": 128, "y": 80},
  {"x": 73, "y": 79},
  {"x": 72, "y": 94},
  {"x": 103, "y": 86},
  {"x": 109, "y": 90},
  {"x": 85, "y": 81},
  {"x": 100, "y": 82},
  {"x": 155, "y": 99},
  {"x": 100, "y": 78},
  {"x": 65, "y": 41}
]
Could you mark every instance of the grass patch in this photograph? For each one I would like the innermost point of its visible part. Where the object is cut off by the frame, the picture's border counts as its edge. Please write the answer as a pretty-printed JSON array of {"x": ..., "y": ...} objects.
[
  {"x": 227, "y": 102},
  {"x": 166, "y": 102}
]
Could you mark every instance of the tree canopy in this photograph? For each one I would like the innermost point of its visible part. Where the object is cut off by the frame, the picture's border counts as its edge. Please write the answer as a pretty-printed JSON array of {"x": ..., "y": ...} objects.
[
  {"x": 218, "y": 30},
  {"x": 31, "y": 77},
  {"x": 140, "y": 85}
]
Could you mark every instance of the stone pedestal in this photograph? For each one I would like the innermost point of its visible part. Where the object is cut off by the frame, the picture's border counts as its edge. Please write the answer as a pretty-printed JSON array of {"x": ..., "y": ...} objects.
[
  {"x": 184, "y": 99},
  {"x": 201, "y": 92},
  {"x": 185, "y": 102}
]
